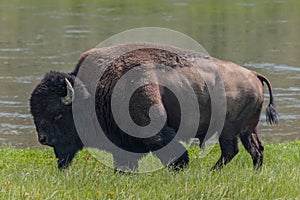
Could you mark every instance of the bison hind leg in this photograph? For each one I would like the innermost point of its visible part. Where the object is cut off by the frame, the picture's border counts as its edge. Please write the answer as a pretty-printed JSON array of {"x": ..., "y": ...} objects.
[
  {"x": 254, "y": 147},
  {"x": 229, "y": 148}
]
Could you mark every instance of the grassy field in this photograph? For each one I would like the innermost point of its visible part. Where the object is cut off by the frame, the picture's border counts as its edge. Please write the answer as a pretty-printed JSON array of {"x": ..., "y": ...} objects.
[{"x": 32, "y": 174}]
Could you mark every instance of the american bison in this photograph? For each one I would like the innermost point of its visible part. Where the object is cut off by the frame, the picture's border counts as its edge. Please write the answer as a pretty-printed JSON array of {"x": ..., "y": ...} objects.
[{"x": 51, "y": 104}]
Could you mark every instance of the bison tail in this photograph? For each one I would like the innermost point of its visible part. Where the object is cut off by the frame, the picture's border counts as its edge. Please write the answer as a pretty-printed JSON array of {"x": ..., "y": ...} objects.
[{"x": 271, "y": 111}]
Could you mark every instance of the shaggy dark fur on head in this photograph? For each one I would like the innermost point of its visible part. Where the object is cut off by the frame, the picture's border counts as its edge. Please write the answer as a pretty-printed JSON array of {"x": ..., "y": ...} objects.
[
  {"x": 53, "y": 119},
  {"x": 50, "y": 89}
]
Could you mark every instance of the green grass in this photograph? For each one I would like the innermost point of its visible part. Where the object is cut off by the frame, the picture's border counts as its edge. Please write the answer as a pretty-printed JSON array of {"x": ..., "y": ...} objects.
[{"x": 32, "y": 174}]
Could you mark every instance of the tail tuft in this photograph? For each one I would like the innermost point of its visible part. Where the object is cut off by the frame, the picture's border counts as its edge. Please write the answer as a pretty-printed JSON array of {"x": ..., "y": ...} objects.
[
  {"x": 271, "y": 111},
  {"x": 272, "y": 114}
]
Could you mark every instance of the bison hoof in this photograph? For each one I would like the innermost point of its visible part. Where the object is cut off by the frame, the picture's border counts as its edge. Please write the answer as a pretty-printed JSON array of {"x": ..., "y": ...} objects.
[{"x": 179, "y": 164}]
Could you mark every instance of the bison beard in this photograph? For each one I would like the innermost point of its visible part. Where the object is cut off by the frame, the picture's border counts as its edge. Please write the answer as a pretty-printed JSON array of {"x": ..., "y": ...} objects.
[
  {"x": 66, "y": 154},
  {"x": 51, "y": 105}
]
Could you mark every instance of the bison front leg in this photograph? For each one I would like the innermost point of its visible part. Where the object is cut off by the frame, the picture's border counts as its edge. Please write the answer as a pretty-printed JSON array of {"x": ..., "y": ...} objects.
[
  {"x": 125, "y": 163},
  {"x": 173, "y": 161},
  {"x": 171, "y": 153},
  {"x": 181, "y": 162}
]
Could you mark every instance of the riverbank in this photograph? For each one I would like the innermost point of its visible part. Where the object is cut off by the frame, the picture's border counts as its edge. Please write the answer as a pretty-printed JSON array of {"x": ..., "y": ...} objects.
[{"x": 32, "y": 174}]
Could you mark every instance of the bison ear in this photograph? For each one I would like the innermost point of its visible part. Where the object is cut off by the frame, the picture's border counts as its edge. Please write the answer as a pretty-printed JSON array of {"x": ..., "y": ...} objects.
[{"x": 67, "y": 100}]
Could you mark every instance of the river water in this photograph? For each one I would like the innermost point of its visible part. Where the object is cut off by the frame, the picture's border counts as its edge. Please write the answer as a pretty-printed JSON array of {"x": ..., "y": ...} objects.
[{"x": 36, "y": 36}]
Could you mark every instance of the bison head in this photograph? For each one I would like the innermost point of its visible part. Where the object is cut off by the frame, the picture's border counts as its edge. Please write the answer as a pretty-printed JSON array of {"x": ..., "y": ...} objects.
[{"x": 51, "y": 108}]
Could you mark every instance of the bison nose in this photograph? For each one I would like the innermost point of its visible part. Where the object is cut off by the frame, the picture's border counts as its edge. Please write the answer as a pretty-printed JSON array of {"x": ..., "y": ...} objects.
[{"x": 43, "y": 139}]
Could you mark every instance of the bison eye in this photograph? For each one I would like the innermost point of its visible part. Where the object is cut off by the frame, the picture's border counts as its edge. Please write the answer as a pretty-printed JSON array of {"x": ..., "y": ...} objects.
[{"x": 57, "y": 117}]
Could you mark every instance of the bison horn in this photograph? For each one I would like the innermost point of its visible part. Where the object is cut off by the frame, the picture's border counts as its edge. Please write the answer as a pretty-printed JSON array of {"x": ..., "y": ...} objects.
[{"x": 67, "y": 100}]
